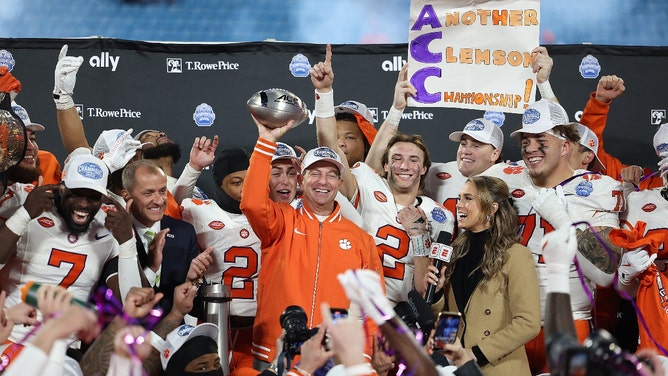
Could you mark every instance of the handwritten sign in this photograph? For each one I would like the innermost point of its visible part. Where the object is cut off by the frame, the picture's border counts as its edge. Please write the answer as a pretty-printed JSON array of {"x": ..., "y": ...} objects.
[{"x": 473, "y": 56}]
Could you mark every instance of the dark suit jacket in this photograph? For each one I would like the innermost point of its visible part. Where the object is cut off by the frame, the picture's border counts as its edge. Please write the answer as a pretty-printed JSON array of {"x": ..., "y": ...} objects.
[{"x": 180, "y": 248}]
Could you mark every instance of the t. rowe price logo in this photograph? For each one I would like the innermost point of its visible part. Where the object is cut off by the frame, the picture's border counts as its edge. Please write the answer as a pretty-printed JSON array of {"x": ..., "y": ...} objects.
[
  {"x": 178, "y": 65},
  {"x": 98, "y": 112}
]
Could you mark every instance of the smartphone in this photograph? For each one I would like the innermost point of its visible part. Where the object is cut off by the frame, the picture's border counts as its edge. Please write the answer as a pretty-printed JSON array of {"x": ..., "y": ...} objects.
[
  {"x": 338, "y": 313},
  {"x": 447, "y": 329}
]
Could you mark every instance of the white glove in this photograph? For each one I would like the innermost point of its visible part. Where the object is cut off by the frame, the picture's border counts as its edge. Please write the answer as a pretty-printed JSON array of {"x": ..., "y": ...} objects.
[
  {"x": 559, "y": 247},
  {"x": 633, "y": 263},
  {"x": 663, "y": 163},
  {"x": 363, "y": 287},
  {"x": 550, "y": 204},
  {"x": 66, "y": 72},
  {"x": 120, "y": 152}
]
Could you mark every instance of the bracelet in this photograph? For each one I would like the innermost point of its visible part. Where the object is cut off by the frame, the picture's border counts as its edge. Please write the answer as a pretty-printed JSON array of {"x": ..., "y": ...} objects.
[
  {"x": 63, "y": 101},
  {"x": 324, "y": 104},
  {"x": 273, "y": 368},
  {"x": 545, "y": 90},
  {"x": 18, "y": 222},
  {"x": 394, "y": 116},
  {"x": 305, "y": 373}
]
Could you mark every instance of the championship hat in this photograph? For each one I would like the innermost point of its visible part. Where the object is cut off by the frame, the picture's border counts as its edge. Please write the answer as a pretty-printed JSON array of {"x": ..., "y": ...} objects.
[
  {"x": 589, "y": 140},
  {"x": 541, "y": 116},
  {"x": 179, "y": 336},
  {"x": 322, "y": 153},
  {"x": 23, "y": 114},
  {"x": 661, "y": 139},
  {"x": 481, "y": 130},
  {"x": 107, "y": 139},
  {"x": 363, "y": 115},
  {"x": 283, "y": 151},
  {"x": 85, "y": 171}
]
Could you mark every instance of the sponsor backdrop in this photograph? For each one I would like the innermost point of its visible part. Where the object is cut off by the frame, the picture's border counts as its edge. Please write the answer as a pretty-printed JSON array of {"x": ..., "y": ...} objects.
[{"x": 201, "y": 89}]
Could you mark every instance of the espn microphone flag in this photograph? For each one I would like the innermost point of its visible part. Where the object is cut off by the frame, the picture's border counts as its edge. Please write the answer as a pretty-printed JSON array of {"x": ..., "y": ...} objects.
[{"x": 441, "y": 251}]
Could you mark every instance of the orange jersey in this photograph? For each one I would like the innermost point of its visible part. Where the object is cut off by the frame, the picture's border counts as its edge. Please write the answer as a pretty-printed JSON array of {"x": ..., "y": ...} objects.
[
  {"x": 301, "y": 256},
  {"x": 595, "y": 117}
]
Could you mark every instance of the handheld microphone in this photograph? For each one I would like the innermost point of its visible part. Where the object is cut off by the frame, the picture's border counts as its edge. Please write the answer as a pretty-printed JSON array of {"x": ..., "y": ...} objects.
[
  {"x": 422, "y": 312},
  {"x": 29, "y": 296},
  {"x": 441, "y": 251}
]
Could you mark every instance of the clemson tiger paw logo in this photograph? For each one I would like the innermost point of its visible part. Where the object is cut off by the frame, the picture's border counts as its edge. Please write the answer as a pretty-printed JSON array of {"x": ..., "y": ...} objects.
[{"x": 345, "y": 244}]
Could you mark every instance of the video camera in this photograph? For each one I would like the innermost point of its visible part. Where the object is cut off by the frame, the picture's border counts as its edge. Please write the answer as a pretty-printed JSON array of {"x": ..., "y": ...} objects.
[
  {"x": 598, "y": 355},
  {"x": 293, "y": 321}
]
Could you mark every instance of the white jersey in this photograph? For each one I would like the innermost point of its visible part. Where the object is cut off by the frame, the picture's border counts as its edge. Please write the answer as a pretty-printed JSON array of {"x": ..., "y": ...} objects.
[
  {"x": 48, "y": 253},
  {"x": 443, "y": 184},
  {"x": 650, "y": 207},
  {"x": 591, "y": 197},
  {"x": 379, "y": 211},
  {"x": 236, "y": 251},
  {"x": 13, "y": 198}
]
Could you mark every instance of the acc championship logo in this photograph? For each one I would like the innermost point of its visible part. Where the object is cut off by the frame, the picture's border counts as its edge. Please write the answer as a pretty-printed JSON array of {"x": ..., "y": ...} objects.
[
  {"x": 300, "y": 66},
  {"x": 531, "y": 115},
  {"x": 589, "y": 67},
  {"x": 90, "y": 170},
  {"x": 204, "y": 115},
  {"x": 7, "y": 60},
  {"x": 496, "y": 117},
  {"x": 474, "y": 125},
  {"x": 657, "y": 117},
  {"x": 325, "y": 152},
  {"x": 174, "y": 65}
]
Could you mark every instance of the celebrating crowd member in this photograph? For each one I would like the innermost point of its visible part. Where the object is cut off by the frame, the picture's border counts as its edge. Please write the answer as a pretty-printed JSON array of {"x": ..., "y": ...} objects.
[
  {"x": 61, "y": 237},
  {"x": 167, "y": 248},
  {"x": 642, "y": 270},
  {"x": 491, "y": 279},
  {"x": 595, "y": 117},
  {"x": 480, "y": 145},
  {"x": 548, "y": 194},
  {"x": 303, "y": 249},
  {"x": 599, "y": 355},
  {"x": 402, "y": 223}
]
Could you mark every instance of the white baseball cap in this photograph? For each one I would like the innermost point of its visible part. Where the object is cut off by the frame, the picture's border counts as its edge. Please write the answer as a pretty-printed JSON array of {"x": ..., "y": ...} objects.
[
  {"x": 541, "y": 116},
  {"x": 107, "y": 139},
  {"x": 481, "y": 130},
  {"x": 177, "y": 337},
  {"x": 283, "y": 151},
  {"x": 23, "y": 114},
  {"x": 322, "y": 153},
  {"x": 589, "y": 140},
  {"x": 661, "y": 139},
  {"x": 354, "y": 107},
  {"x": 138, "y": 135},
  {"x": 85, "y": 171}
]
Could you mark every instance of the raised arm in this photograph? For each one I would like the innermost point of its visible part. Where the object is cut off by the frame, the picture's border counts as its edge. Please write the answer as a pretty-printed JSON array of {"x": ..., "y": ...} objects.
[
  {"x": 69, "y": 123},
  {"x": 322, "y": 77},
  {"x": 402, "y": 90}
]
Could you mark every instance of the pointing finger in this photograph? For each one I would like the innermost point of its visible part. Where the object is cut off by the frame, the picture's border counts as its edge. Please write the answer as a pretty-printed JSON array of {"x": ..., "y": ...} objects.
[
  {"x": 63, "y": 52},
  {"x": 328, "y": 54}
]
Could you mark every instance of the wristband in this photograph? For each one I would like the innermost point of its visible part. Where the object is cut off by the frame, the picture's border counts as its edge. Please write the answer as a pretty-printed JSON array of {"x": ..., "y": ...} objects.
[
  {"x": 394, "y": 116},
  {"x": 545, "y": 90},
  {"x": 128, "y": 249},
  {"x": 63, "y": 101},
  {"x": 324, "y": 104},
  {"x": 421, "y": 244},
  {"x": 18, "y": 222},
  {"x": 557, "y": 274}
]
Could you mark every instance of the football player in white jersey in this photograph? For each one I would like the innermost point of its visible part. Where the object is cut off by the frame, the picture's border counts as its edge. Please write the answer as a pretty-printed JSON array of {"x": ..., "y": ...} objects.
[
  {"x": 237, "y": 255},
  {"x": 61, "y": 237},
  {"x": 548, "y": 193},
  {"x": 402, "y": 223},
  {"x": 642, "y": 271},
  {"x": 480, "y": 145}
]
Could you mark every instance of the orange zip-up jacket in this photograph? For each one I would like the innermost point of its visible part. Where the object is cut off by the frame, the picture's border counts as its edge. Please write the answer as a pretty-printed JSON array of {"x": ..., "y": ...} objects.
[
  {"x": 301, "y": 257},
  {"x": 595, "y": 117}
]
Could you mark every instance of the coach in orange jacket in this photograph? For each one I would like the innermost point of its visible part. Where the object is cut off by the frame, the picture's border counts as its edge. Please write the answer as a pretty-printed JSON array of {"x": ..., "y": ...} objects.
[{"x": 303, "y": 249}]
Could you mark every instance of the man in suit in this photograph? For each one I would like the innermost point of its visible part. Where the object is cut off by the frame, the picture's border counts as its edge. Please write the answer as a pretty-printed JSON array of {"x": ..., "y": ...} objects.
[{"x": 167, "y": 248}]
